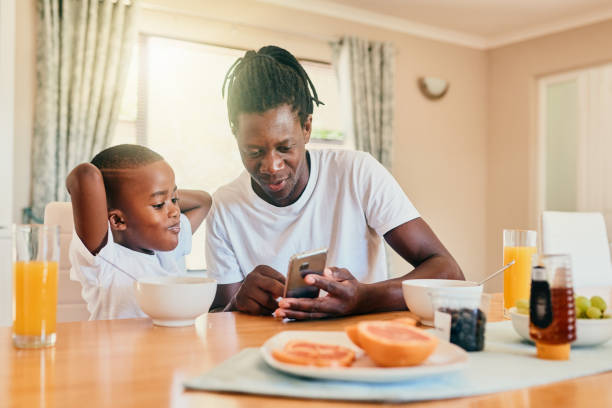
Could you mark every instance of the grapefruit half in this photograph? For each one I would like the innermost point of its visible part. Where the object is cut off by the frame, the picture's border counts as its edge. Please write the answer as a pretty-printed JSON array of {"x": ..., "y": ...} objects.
[
  {"x": 353, "y": 334},
  {"x": 392, "y": 343},
  {"x": 406, "y": 320}
]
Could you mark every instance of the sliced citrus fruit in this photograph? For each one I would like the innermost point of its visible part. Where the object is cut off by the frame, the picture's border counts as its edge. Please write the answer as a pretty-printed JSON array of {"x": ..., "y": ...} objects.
[
  {"x": 304, "y": 352},
  {"x": 394, "y": 344},
  {"x": 406, "y": 320},
  {"x": 352, "y": 333}
]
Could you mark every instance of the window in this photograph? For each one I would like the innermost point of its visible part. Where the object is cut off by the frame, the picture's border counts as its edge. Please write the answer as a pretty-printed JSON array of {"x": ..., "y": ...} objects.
[
  {"x": 327, "y": 128},
  {"x": 172, "y": 103}
]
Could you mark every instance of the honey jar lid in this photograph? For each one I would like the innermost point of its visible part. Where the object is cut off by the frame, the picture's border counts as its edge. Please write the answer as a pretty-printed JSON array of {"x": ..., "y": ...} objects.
[{"x": 553, "y": 351}]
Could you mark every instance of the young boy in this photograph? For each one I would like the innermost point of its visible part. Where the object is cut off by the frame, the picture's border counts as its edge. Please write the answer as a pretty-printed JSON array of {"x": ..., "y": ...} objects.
[{"x": 128, "y": 224}]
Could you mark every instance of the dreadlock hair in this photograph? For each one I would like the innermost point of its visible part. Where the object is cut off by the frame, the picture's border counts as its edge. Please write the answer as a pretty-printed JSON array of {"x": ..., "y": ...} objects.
[
  {"x": 266, "y": 79},
  {"x": 124, "y": 156}
]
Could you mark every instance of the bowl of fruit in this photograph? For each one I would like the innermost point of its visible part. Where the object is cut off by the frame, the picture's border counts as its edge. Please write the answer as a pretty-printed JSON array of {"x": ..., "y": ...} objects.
[{"x": 593, "y": 323}]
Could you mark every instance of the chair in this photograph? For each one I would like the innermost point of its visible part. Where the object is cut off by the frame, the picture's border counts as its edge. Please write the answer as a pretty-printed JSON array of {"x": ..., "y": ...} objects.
[
  {"x": 70, "y": 304},
  {"x": 583, "y": 236}
]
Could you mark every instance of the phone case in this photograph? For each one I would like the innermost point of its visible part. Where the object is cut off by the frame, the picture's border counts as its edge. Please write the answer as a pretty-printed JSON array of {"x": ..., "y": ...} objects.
[{"x": 301, "y": 265}]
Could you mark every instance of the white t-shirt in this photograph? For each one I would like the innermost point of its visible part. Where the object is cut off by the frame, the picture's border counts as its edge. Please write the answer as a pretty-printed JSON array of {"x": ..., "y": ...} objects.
[
  {"x": 108, "y": 291},
  {"x": 350, "y": 201}
]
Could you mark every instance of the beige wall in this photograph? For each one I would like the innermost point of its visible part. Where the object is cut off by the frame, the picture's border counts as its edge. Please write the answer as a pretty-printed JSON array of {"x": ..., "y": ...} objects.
[
  {"x": 512, "y": 122},
  {"x": 439, "y": 147}
]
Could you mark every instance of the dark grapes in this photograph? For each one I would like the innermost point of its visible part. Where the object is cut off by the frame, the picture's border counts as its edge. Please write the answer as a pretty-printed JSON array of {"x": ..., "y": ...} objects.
[{"x": 467, "y": 328}]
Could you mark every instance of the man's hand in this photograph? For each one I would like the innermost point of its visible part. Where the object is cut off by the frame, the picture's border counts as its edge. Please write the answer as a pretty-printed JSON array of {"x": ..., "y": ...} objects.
[
  {"x": 258, "y": 292},
  {"x": 344, "y": 296}
]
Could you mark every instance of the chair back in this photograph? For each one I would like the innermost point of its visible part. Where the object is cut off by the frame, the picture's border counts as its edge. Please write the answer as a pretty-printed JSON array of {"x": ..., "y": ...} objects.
[
  {"x": 583, "y": 236},
  {"x": 70, "y": 304}
]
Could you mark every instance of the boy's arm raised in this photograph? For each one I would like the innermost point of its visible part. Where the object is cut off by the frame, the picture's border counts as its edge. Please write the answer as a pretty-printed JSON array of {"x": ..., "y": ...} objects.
[
  {"x": 195, "y": 204},
  {"x": 86, "y": 187}
]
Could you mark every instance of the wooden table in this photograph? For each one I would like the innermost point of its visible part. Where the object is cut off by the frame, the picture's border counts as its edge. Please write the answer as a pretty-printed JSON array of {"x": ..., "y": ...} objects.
[{"x": 132, "y": 363}]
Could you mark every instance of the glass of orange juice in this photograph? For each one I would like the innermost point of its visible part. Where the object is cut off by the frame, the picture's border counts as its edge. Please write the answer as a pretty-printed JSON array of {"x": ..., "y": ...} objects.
[
  {"x": 35, "y": 263},
  {"x": 519, "y": 245}
]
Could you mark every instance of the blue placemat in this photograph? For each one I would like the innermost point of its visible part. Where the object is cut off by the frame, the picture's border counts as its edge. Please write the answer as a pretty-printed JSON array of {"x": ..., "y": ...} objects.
[{"x": 506, "y": 363}]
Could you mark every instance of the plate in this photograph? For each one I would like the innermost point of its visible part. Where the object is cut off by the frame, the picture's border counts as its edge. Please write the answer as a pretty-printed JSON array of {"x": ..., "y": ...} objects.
[{"x": 446, "y": 358}]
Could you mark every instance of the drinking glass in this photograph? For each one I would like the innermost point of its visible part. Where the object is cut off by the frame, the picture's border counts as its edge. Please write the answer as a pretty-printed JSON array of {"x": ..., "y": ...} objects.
[
  {"x": 35, "y": 264},
  {"x": 519, "y": 245}
]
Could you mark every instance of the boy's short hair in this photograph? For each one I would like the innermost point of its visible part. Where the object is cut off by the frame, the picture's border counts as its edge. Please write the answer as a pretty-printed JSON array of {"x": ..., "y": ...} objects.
[
  {"x": 123, "y": 156},
  {"x": 266, "y": 79}
]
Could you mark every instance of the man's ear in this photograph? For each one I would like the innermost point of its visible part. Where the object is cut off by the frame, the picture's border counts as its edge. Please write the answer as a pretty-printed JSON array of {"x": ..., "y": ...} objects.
[
  {"x": 117, "y": 220},
  {"x": 307, "y": 129}
]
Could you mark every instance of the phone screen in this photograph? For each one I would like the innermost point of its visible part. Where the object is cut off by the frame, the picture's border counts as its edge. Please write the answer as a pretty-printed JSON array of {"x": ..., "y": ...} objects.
[{"x": 300, "y": 265}]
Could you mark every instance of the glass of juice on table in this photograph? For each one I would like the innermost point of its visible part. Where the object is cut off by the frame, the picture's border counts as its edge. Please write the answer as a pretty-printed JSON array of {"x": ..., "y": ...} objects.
[
  {"x": 519, "y": 246},
  {"x": 35, "y": 264}
]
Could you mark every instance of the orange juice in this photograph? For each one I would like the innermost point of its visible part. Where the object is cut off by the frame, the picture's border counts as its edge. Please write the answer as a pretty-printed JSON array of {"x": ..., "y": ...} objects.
[
  {"x": 35, "y": 300},
  {"x": 517, "y": 278}
]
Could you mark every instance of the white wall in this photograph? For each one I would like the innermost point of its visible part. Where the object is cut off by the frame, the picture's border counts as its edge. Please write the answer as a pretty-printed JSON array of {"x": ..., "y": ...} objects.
[
  {"x": 7, "y": 71},
  {"x": 25, "y": 87}
]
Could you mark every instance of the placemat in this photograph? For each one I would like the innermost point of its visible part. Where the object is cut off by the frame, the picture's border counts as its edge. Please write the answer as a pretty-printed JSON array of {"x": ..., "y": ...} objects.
[{"x": 507, "y": 363}]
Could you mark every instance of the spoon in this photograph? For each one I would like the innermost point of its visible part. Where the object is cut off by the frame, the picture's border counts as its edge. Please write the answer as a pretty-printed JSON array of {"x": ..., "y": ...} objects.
[{"x": 494, "y": 274}]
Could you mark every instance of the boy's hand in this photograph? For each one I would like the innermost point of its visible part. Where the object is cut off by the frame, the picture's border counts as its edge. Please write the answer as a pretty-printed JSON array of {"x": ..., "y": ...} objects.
[
  {"x": 195, "y": 204},
  {"x": 86, "y": 187}
]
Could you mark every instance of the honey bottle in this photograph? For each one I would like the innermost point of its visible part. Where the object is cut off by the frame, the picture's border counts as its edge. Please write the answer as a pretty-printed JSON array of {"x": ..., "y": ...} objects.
[{"x": 552, "y": 314}]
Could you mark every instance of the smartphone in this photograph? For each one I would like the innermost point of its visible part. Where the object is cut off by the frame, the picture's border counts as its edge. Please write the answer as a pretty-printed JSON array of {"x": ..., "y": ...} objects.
[{"x": 301, "y": 265}]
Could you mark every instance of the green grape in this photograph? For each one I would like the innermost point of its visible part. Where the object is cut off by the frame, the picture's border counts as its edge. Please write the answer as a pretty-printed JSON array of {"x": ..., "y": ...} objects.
[
  {"x": 599, "y": 303},
  {"x": 582, "y": 303},
  {"x": 580, "y": 313},
  {"x": 522, "y": 310},
  {"x": 593, "y": 313},
  {"x": 522, "y": 304},
  {"x": 606, "y": 316}
]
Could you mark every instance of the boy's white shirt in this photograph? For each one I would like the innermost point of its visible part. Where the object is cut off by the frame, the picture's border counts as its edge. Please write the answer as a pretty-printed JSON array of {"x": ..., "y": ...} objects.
[{"x": 108, "y": 291}]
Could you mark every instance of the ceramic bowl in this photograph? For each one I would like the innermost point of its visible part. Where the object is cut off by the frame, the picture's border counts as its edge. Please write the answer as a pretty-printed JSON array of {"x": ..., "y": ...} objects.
[
  {"x": 418, "y": 294},
  {"x": 589, "y": 332},
  {"x": 175, "y": 300}
]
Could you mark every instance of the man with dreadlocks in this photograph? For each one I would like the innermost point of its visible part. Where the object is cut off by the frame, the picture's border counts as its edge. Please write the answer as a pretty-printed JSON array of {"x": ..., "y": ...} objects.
[{"x": 291, "y": 200}]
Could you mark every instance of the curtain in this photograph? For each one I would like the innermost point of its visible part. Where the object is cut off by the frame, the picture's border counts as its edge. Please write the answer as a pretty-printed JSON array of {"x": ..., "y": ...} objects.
[
  {"x": 367, "y": 68},
  {"x": 82, "y": 57}
]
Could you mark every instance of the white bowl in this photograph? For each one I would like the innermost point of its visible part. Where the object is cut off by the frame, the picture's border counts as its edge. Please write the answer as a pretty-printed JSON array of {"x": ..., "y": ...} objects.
[
  {"x": 175, "y": 300},
  {"x": 418, "y": 294},
  {"x": 589, "y": 332}
]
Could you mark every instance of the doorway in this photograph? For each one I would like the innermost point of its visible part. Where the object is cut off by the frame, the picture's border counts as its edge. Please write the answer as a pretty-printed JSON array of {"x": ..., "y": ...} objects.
[{"x": 575, "y": 142}]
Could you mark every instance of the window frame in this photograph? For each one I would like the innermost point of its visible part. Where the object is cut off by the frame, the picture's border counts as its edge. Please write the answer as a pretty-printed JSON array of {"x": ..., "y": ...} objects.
[{"x": 143, "y": 87}]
